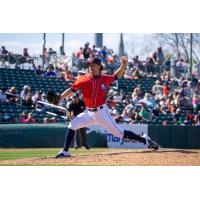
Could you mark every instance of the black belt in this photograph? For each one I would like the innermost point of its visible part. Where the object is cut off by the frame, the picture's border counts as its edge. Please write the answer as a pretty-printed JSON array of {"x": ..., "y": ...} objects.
[{"x": 94, "y": 109}]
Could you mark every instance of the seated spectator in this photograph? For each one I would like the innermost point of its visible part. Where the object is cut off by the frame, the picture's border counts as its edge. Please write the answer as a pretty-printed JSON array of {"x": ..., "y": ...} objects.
[
  {"x": 123, "y": 97},
  {"x": 181, "y": 66},
  {"x": 25, "y": 91},
  {"x": 157, "y": 89},
  {"x": 111, "y": 93},
  {"x": 144, "y": 112},
  {"x": 117, "y": 97},
  {"x": 148, "y": 100},
  {"x": 4, "y": 54},
  {"x": 160, "y": 56},
  {"x": 30, "y": 118},
  {"x": 135, "y": 118},
  {"x": 189, "y": 118},
  {"x": 118, "y": 118},
  {"x": 154, "y": 58},
  {"x": 167, "y": 101},
  {"x": 128, "y": 74},
  {"x": 46, "y": 120},
  {"x": 177, "y": 117},
  {"x": 44, "y": 98},
  {"x": 165, "y": 123},
  {"x": 27, "y": 58},
  {"x": 172, "y": 110},
  {"x": 79, "y": 53},
  {"x": 50, "y": 72},
  {"x": 86, "y": 51},
  {"x": 166, "y": 89},
  {"x": 138, "y": 91},
  {"x": 58, "y": 72},
  {"x": 28, "y": 100},
  {"x": 103, "y": 53},
  {"x": 36, "y": 97},
  {"x": 69, "y": 76},
  {"x": 51, "y": 52},
  {"x": 23, "y": 117},
  {"x": 13, "y": 97},
  {"x": 26, "y": 95},
  {"x": 156, "y": 111},
  {"x": 94, "y": 51},
  {"x": 64, "y": 67},
  {"x": 111, "y": 102},
  {"x": 53, "y": 120},
  {"x": 164, "y": 109},
  {"x": 151, "y": 62},
  {"x": 62, "y": 76},
  {"x": 136, "y": 61},
  {"x": 197, "y": 119},
  {"x": 135, "y": 98},
  {"x": 167, "y": 65},
  {"x": 127, "y": 112},
  {"x": 39, "y": 70},
  {"x": 177, "y": 99},
  {"x": 110, "y": 59},
  {"x": 41, "y": 106},
  {"x": 3, "y": 97},
  {"x": 135, "y": 74},
  {"x": 195, "y": 101}
]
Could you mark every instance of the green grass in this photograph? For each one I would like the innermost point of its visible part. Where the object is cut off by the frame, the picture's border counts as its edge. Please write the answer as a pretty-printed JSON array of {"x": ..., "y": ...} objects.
[{"x": 13, "y": 154}]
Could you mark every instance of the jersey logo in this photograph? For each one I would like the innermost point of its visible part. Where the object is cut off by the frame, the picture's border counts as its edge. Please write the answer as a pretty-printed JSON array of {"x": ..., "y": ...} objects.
[{"x": 103, "y": 87}]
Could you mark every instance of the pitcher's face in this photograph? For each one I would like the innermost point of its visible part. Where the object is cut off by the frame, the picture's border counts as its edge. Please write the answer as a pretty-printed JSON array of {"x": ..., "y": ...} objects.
[{"x": 94, "y": 69}]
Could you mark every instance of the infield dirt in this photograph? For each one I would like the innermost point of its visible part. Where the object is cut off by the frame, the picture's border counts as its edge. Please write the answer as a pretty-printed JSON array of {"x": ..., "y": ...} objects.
[{"x": 117, "y": 157}]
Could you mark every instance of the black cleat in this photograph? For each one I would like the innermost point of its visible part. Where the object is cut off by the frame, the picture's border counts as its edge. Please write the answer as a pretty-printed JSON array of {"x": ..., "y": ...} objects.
[
  {"x": 152, "y": 144},
  {"x": 87, "y": 147},
  {"x": 62, "y": 154}
]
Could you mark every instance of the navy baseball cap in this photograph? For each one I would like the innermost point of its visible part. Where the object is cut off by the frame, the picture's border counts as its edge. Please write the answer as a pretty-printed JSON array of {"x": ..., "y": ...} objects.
[{"x": 94, "y": 61}]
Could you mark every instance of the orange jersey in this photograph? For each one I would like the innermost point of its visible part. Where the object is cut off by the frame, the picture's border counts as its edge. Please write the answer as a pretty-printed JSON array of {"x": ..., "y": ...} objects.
[{"x": 93, "y": 88}]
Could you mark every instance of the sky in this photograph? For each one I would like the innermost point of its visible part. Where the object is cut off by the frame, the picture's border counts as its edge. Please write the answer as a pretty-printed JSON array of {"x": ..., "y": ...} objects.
[{"x": 15, "y": 42}]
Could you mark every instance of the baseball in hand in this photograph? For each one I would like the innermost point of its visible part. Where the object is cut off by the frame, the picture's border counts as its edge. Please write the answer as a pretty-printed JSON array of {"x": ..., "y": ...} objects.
[{"x": 124, "y": 60}]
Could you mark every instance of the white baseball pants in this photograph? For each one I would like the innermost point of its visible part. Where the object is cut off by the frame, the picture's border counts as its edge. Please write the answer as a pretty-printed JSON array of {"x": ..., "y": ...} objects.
[{"x": 101, "y": 117}]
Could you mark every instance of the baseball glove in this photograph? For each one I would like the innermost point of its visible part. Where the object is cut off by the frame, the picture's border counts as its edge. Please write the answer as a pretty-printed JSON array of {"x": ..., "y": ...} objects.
[{"x": 53, "y": 98}]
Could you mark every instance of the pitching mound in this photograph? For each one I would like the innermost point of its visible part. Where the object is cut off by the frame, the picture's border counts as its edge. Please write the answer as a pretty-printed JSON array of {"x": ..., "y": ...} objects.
[{"x": 119, "y": 157}]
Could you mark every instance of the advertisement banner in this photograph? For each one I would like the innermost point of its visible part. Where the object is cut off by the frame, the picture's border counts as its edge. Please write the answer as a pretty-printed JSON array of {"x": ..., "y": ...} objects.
[{"x": 115, "y": 142}]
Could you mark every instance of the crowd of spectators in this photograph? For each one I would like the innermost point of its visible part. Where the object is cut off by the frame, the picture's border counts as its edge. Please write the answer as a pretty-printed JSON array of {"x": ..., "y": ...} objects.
[
  {"x": 28, "y": 100},
  {"x": 13, "y": 58},
  {"x": 176, "y": 99},
  {"x": 109, "y": 59}
]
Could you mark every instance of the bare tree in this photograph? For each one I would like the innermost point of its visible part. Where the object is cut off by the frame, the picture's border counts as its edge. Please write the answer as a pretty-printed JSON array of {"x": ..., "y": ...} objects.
[
  {"x": 142, "y": 45},
  {"x": 178, "y": 43},
  {"x": 174, "y": 45}
]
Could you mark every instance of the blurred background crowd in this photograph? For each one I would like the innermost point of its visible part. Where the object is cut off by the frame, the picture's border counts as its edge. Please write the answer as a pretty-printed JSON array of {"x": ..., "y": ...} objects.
[{"x": 157, "y": 90}]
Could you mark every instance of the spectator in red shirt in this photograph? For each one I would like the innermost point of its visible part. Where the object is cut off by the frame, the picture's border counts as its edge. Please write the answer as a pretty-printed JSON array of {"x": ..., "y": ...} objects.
[
  {"x": 79, "y": 53},
  {"x": 166, "y": 89},
  {"x": 53, "y": 120},
  {"x": 30, "y": 119},
  {"x": 23, "y": 117}
]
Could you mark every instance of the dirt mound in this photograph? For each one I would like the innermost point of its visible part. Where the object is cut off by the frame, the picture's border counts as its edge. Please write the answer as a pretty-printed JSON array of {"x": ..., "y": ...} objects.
[{"x": 163, "y": 157}]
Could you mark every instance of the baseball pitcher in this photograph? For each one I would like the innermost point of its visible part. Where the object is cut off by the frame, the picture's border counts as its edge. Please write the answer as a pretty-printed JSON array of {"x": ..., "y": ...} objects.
[{"x": 94, "y": 85}]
